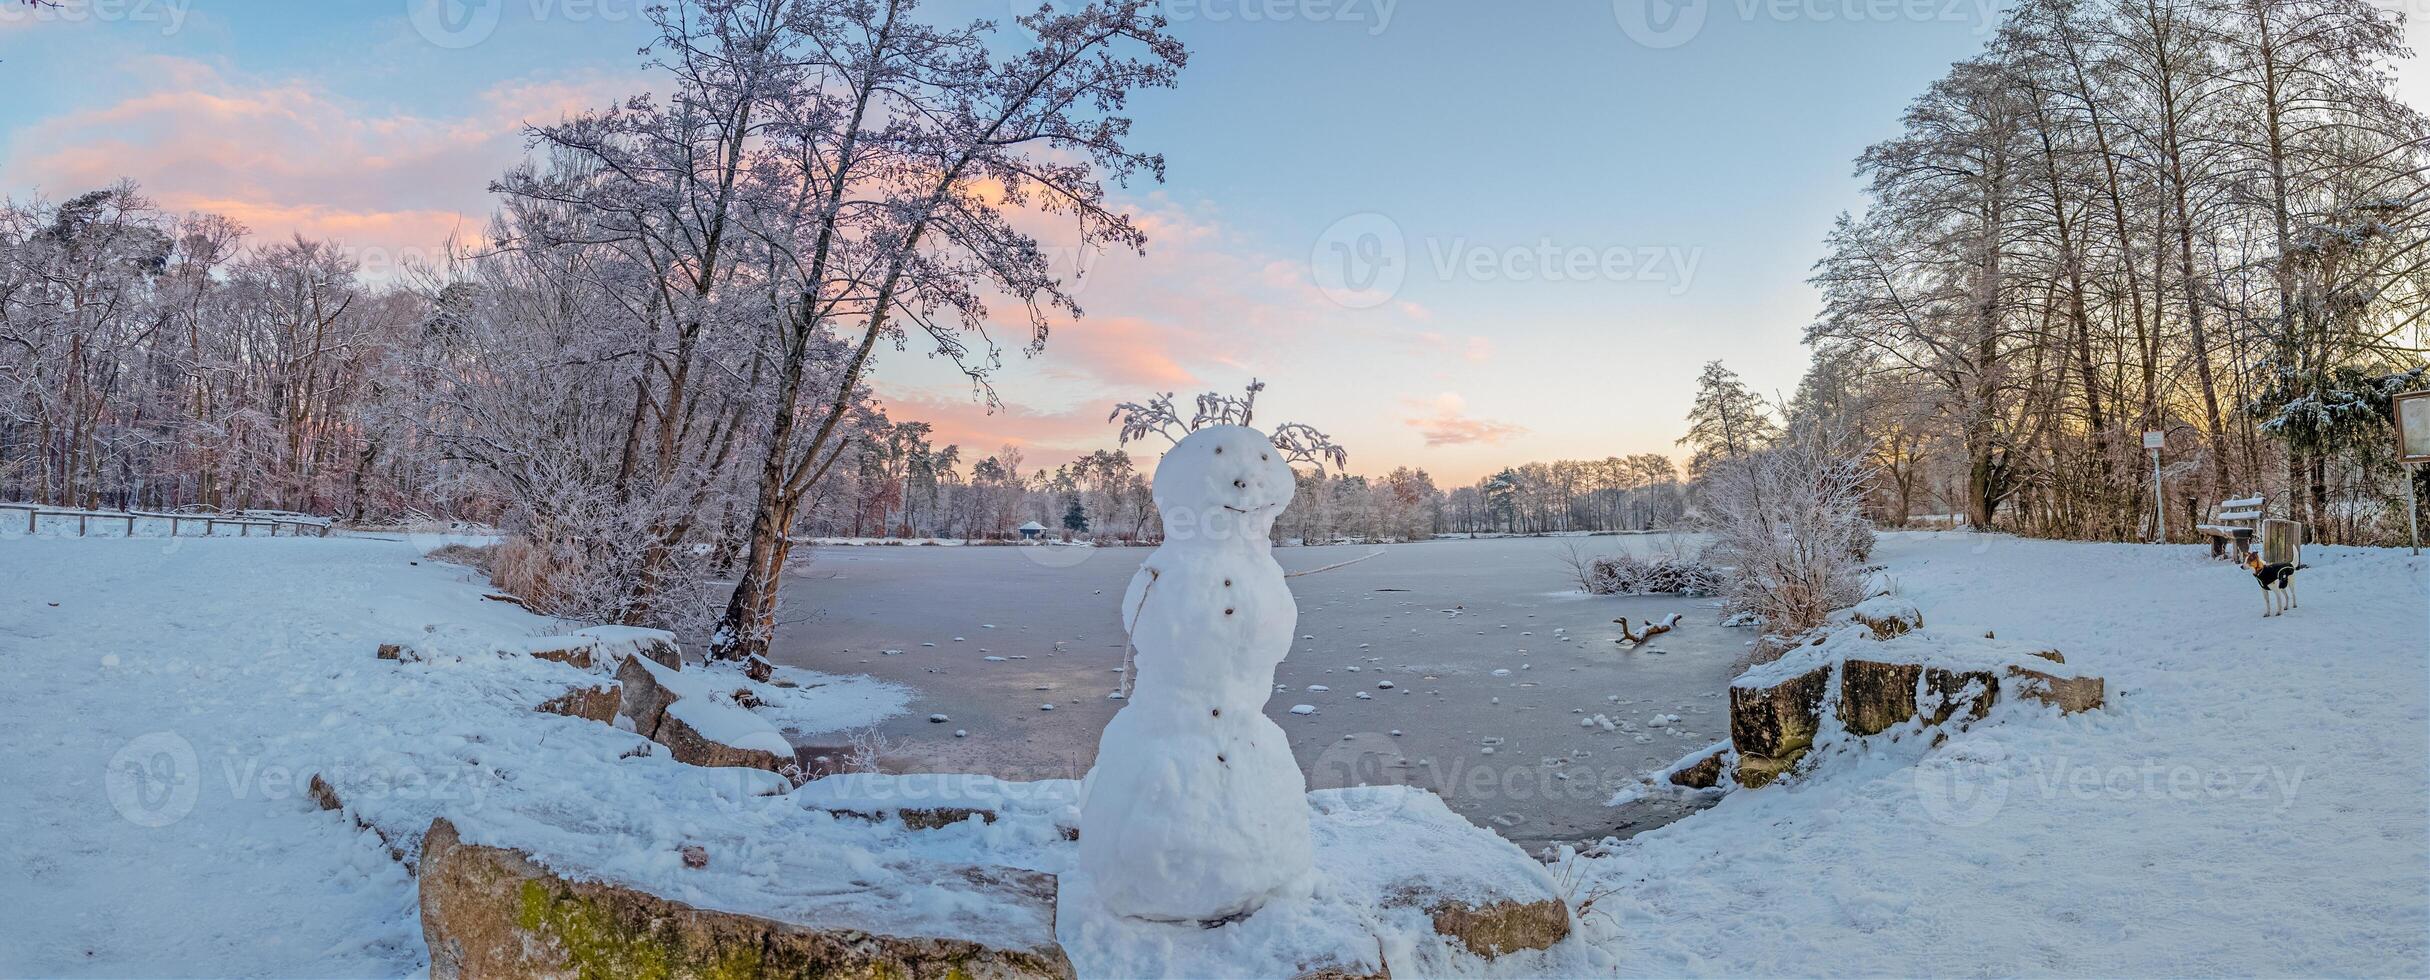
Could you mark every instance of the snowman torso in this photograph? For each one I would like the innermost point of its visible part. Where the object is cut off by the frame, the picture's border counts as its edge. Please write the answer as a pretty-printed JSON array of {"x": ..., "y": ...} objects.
[{"x": 1196, "y": 809}]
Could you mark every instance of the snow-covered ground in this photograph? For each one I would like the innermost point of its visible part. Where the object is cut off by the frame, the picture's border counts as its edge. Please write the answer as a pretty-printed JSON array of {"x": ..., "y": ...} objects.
[
  {"x": 169, "y": 700},
  {"x": 2253, "y": 800}
]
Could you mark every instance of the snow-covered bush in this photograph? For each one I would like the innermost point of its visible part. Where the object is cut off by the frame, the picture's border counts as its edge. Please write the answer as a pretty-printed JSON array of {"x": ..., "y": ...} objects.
[
  {"x": 1787, "y": 522},
  {"x": 1627, "y": 574}
]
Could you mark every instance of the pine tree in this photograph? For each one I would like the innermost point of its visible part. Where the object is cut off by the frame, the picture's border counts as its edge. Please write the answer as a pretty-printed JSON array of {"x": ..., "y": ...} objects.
[{"x": 1075, "y": 517}]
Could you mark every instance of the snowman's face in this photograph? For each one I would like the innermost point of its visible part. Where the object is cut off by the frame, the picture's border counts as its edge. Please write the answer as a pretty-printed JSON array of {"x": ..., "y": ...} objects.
[{"x": 1224, "y": 469}]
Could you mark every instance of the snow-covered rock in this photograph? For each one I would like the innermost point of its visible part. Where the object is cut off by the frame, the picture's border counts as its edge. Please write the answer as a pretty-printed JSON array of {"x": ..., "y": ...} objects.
[
  {"x": 1886, "y": 615},
  {"x": 615, "y": 643},
  {"x": 597, "y": 702},
  {"x": 494, "y": 911}
]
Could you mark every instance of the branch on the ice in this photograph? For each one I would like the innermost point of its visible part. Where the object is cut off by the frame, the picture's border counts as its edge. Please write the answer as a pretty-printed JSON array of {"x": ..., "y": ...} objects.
[{"x": 1159, "y": 416}]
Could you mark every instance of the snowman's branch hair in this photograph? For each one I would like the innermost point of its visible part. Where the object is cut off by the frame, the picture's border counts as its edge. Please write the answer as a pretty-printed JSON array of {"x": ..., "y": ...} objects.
[
  {"x": 1158, "y": 416},
  {"x": 1302, "y": 443}
]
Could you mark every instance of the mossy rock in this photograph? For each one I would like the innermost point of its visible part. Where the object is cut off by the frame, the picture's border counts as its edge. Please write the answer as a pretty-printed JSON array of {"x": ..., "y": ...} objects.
[
  {"x": 595, "y": 703},
  {"x": 492, "y": 912}
]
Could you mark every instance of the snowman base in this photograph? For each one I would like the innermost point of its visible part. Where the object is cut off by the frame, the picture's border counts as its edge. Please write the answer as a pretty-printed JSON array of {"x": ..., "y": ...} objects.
[{"x": 1400, "y": 886}]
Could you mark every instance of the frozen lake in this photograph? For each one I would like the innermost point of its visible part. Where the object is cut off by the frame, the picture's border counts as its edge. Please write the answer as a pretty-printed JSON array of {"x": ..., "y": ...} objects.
[{"x": 1492, "y": 656}]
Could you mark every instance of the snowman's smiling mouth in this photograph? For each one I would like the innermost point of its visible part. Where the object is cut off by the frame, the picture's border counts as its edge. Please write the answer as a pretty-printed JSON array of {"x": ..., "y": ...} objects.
[{"x": 1237, "y": 510}]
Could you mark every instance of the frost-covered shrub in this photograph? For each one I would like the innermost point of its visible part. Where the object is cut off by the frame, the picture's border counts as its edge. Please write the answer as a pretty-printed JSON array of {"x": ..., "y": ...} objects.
[
  {"x": 1788, "y": 523},
  {"x": 478, "y": 557},
  {"x": 1627, "y": 574}
]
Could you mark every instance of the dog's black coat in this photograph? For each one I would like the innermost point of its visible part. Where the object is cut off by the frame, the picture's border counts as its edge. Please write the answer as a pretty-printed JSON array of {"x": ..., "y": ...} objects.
[{"x": 2277, "y": 575}]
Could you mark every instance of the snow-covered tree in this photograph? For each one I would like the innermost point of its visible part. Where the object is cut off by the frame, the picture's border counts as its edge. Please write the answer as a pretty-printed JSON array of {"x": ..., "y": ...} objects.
[
  {"x": 1788, "y": 522},
  {"x": 1727, "y": 421}
]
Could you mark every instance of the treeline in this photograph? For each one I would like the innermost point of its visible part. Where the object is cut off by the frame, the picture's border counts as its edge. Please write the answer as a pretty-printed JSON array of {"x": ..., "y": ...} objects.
[
  {"x": 155, "y": 361},
  {"x": 902, "y": 486},
  {"x": 2204, "y": 218},
  {"x": 660, "y": 349}
]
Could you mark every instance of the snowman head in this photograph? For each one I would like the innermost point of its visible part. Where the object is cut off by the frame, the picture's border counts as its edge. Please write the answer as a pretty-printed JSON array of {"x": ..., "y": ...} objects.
[{"x": 1223, "y": 477}]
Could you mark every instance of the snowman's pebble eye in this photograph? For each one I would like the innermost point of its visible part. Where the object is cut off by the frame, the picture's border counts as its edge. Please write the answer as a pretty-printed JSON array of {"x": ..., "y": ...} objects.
[
  {"x": 1227, "y": 583},
  {"x": 1217, "y": 712},
  {"x": 1227, "y": 612},
  {"x": 1263, "y": 456},
  {"x": 1242, "y": 484},
  {"x": 1219, "y": 450}
]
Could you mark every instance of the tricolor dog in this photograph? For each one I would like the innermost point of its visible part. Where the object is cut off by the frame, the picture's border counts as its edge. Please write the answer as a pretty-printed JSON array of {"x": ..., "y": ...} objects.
[{"x": 2277, "y": 584}]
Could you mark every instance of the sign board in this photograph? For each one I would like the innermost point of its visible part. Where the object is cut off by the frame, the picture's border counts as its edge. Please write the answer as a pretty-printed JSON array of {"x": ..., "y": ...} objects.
[
  {"x": 2413, "y": 427},
  {"x": 2154, "y": 439}
]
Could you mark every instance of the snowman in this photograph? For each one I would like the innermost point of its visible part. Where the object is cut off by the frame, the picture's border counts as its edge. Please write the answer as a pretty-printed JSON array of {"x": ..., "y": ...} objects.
[{"x": 1195, "y": 810}]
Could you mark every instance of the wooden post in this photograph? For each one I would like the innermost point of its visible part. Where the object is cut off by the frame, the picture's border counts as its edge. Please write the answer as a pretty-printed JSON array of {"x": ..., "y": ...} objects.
[
  {"x": 2281, "y": 541},
  {"x": 130, "y": 525},
  {"x": 81, "y": 521},
  {"x": 2413, "y": 510}
]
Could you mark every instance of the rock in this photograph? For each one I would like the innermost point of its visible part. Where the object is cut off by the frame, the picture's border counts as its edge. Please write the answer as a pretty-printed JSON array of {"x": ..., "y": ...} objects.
[
  {"x": 688, "y": 746},
  {"x": 395, "y": 651},
  {"x": 1887, "y": 616},
  {"x": 574, "y": 651},
  {"x": 619, "y": 643},
  {"x": 641, "y": 698},
  {"x": 597, "y": 703},
  {"x": 758, "y": 668},
  {"x": 323, "y": 794},
  {"x": 2068, "y": 694},
  {"x": 1502, "y": 927},
  {"x": 1704, "y": 773},
  {"x": 695, "y": 856},
  {"x": 326, "y": 797},
  {"x": 1875, "y": 696},
  {"x": 1773, "y": 726},
  {"x": 1950, "y": 690},
  {"x": 923, "y": 818},
  {"x": 492, "y": 912}
]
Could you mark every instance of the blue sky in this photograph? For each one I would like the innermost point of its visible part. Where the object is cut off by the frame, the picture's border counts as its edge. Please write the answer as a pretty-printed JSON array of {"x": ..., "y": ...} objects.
[{"x": 1678, "y": 184}]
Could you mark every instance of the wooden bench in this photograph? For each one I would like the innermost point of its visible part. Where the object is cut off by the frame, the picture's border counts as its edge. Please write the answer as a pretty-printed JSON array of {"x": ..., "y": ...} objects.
[{"x": 2231, "y": 527}]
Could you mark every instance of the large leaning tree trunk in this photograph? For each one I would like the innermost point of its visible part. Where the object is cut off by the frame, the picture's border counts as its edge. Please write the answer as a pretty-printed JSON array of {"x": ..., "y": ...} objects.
[{"x": 908, "y": 160}]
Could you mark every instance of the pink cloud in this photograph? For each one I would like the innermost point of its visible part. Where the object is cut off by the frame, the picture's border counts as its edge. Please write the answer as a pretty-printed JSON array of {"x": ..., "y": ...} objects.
[
  {"x": 285, "y": 157},
  {"x": 1448, "y": 424}
]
